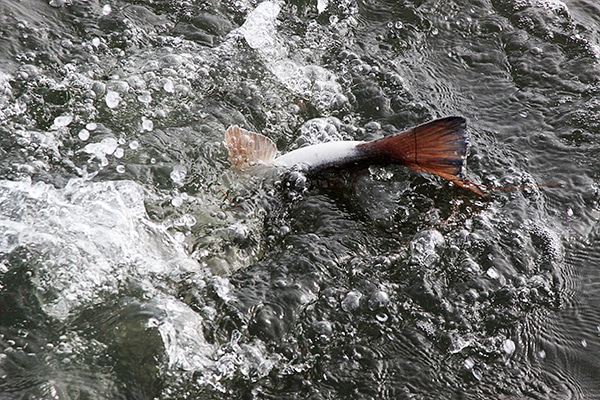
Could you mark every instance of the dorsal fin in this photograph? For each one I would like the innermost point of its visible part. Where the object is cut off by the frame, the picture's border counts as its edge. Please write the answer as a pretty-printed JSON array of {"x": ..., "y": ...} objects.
[{"x": 248, "y": 148}]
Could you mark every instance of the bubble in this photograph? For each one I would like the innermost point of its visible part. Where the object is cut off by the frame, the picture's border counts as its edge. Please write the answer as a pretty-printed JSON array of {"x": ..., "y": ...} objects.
[
  {"x": 147, "y": 124},
  {"x": 134, "y": 145},
  {"x": 176, "y": 201},
  {"x": 378, "y": 299},
  {"x": 145, "y": 97},
  {"x": 178, "y": 175},
  {"x": 112, "y": 99},
  {"x": 542, "y": 354},
  {"x": 107, "y": 9},
  {"x": 62, "y": 121},
  {"x": 120, "y": 168},
  {"x": 179, "y": 237},
  {"x": 492, "y": 273},
  {"x": 119, "y": 152},
  {"x": 322, "y": 5},
  {"x": 509, "y": 346},
  {"x": 352, "y": 301},
  {"x": 84, "y": 134},
  {"x": 381, "y": 317},
  {"x": 168, "y": 86},
  {"x": 323, "y": 328},
  {"x": 469, "y": 363},
  {"x": 96, "y": 42}
]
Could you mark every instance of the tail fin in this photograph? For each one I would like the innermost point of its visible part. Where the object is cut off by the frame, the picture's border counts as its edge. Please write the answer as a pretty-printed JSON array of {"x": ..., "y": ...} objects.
[
  {"x": 248, "y": 148},
  {"x": 439, "y": 147}
]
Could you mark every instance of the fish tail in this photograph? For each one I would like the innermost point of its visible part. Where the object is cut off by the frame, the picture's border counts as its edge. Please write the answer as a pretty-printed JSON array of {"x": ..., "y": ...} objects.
[
  {"x": 439, "y": 147},
  {"x": 248, "y": 148}
]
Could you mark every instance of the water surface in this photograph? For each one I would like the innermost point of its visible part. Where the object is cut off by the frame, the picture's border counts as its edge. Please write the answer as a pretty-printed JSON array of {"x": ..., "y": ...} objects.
[{"x": 136, "y": 264}]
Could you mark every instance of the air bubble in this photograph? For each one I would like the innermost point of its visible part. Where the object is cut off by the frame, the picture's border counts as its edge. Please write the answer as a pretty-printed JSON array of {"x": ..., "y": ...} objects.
[
  {"x": 382, "y": 317},
  {"x": 62, "y": 121},
  {"x": 84, "y": 134},
  {"x": 509, "y": 346},
  {"x": 147, "y": 124},
  {"x": 168, "y": 86},
  {"x": 107, "y": 9},
  {"x": 113, "y": 99},
  {"x": 134, "y": 145},
  {"x": 469, "y": 363},
  {"x": 120, "y": 168},
  {"x": 178, "y": 175},
  {"x": 176, "y": 201},
  {"x": 352, "y": 301},
  {"x": 145, "y": 98},
  {"x": 492, "y": 273}
]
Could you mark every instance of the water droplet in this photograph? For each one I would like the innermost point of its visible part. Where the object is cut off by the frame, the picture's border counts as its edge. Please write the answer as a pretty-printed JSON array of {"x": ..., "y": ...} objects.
[
  {"x": 378, "y": 299},
  {"x": 62, "y": 121},
  {"x": 84, "y": 134},
  {"x": 469, "y": 363},
  {"x": 147, "y": 124},
  {"x": 112, "y": 99},
  {"x": 168, "y": 86},
  {"x": 509, "y": 346},
  {"x": 352, "y": 301},
  {"x": 381, "y": 317},
  {"x": 145, "y": 98},
  {"x": 178, "y": 175},
  {"x": 179, "y": 237},
  {"x": 323, "y": 328},
  {"x": 176, "y": 201},
  {"x": 492, "y": 273},
  {"x": 542, "y": 354}
]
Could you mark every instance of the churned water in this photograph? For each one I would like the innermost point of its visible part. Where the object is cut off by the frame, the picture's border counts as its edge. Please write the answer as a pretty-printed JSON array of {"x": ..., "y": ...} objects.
[{"x": 135, "y": 264}]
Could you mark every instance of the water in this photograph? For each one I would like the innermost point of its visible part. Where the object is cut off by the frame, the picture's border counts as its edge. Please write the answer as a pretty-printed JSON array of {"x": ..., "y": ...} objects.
[{"x": 135, "y": 264}]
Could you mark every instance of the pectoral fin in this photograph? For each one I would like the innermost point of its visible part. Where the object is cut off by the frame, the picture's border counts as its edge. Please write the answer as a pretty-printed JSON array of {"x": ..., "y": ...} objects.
[{"x": 248, "y": 148}]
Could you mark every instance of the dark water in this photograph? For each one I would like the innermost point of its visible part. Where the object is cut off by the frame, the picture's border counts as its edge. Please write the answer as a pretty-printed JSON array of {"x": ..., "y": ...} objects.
[{"x": 135, "y": 264}]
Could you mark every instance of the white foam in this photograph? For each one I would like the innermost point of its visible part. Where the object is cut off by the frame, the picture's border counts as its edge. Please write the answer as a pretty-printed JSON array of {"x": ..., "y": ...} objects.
[
  {"x": 100, "y": 150},
  {"x": 311, "y": 80},
  {"x": 91, "y": 237}
]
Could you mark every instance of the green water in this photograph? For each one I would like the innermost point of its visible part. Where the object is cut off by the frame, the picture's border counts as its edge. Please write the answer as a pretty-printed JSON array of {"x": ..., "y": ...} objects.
[{"x": 136, "y": 264}]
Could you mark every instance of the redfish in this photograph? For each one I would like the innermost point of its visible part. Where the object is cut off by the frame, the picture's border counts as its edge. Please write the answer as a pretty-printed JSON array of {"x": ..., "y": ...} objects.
[{"x": 439, "y": 147}]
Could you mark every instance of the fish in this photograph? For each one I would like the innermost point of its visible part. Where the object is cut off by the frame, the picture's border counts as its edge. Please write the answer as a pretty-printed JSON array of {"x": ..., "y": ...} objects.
[{"x": 439, "y": 147}]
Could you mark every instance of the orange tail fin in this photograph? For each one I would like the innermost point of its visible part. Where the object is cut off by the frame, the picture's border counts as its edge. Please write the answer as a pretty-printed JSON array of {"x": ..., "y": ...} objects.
[{"x": 439, "y": 147}]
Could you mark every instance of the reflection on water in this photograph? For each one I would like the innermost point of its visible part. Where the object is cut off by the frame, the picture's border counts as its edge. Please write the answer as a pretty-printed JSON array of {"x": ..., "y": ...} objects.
[{"x": 134, "y": 263}]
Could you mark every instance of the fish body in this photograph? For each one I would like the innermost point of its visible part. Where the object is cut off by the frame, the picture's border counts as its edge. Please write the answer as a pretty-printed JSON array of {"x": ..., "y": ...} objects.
[
  {"x": 322, "y": 155},
  {"x": 439, "y": 147}
]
